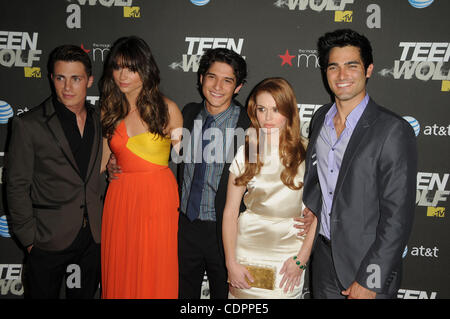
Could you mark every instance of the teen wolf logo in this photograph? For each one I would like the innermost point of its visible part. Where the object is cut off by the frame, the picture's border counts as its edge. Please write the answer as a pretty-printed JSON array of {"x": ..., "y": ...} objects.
[
  {"x": 73, "y": 20},
  {"x": 423, "y": 61},
  {"x": 10, "y": 279},
  {"x": 415, "y": 294},
  {"x": 316, "y": 5},
  {"x": 197, "y": 46},
  {"x": 306, "y": 111},
  {"x": 431, "y": 189},
  {"x": 19, "y": 49},
  {"x": 342, "y": 14}
]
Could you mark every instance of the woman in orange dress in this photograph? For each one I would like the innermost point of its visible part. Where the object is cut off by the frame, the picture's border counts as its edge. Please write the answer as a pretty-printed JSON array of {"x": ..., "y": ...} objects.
[{"x": 140, "y": 217}]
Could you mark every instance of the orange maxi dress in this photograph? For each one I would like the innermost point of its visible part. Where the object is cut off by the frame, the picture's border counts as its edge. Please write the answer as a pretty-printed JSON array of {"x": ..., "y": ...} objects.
[{"x": 140, "y": 221}]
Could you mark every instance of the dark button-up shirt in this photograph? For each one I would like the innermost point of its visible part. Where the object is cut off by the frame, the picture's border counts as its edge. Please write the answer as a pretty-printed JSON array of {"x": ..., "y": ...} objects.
[{"x": 81, "y": 146}]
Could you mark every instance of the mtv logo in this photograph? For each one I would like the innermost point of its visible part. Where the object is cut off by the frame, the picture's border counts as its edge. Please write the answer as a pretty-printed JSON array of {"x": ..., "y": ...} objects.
[
  {"x": 445, "y": 86},
  {"x": 436, "y": 212},
  {"x": 132, "y": 12},
  {"x": 343, "y": 16},
  {"x": 32, "y": 72}
]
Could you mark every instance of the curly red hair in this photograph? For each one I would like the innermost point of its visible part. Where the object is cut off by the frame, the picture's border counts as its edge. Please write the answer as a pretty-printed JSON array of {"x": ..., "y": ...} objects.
[{"x": 291, "y": 149}]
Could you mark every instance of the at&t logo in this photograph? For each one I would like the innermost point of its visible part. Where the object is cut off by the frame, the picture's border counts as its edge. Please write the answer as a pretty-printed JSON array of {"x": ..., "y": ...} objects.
[
  {"x": 428, "y": 130},
  {"x": 4, "y": 229},
  {"x": 414, "y": 124},
  {"x": 425, "y": 252},
  {"x": 437, "y": 130},
  {"x": 200, "y": 2},
  {"x": 6, "y": 112},
  {"x": 405, "y": 252},
  {"x": 420, "y": 3}
]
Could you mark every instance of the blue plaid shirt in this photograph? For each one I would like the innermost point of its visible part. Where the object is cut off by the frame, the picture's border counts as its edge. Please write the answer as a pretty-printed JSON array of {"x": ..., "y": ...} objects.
[{"x": 222, "y": 121}]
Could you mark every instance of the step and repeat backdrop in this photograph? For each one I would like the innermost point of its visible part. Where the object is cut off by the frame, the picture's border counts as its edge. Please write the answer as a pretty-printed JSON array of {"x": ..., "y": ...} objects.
[{"x": 410, "y": 39}]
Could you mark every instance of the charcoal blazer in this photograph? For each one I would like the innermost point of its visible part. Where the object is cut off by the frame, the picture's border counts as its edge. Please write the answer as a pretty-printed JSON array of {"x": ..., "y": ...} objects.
[
  {"x": 374, "y": 199},
  {"x": 46, "y": 195}
]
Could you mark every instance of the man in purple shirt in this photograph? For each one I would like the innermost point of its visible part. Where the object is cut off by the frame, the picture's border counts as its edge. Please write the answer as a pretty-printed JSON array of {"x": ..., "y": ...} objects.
[
  {"x": 360, "y": 179},
  {"x": 330, "y": 150}
]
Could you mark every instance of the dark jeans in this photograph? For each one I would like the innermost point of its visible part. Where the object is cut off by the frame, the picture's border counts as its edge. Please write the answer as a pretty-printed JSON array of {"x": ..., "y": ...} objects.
[
  {"x": 79, "y": 264},
  {"x": 198, "y": 251}
]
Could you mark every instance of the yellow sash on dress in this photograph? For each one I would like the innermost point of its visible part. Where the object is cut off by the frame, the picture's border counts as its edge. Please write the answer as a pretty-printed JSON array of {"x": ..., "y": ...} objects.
[{"x": 151, "y": 147}]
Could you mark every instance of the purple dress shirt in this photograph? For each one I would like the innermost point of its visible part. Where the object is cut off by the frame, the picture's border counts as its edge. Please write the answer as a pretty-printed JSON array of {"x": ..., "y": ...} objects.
[{"x": 330, "y": 151}]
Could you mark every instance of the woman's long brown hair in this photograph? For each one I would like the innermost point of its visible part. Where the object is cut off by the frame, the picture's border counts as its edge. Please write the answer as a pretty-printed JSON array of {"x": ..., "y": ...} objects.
[
  {"x": 291, "y": 149},
  {"x": 132, "y": 53}
]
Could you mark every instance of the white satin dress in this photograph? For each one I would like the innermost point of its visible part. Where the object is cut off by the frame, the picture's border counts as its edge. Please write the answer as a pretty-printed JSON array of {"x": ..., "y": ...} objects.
[{"x": 266, "y": 233}]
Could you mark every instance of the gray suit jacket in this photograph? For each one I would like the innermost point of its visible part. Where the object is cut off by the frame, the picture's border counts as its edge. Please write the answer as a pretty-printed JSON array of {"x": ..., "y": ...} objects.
[
  {"x": 374, "y": 200},
  {"x": 46, "y": 195}
]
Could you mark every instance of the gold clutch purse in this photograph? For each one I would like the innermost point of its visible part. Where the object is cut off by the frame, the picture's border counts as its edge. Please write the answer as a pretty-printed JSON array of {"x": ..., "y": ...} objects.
[{"x": 264, "y": 276}]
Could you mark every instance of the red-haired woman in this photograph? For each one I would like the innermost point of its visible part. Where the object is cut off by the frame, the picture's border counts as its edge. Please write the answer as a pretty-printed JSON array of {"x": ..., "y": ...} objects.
[{"x": 265, "y": 257}]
